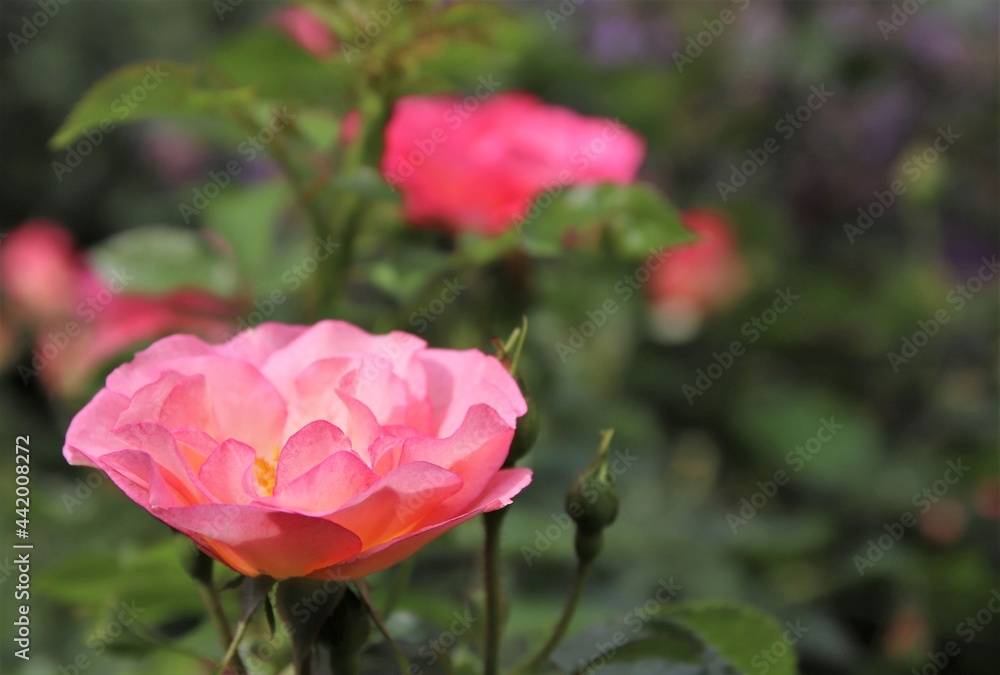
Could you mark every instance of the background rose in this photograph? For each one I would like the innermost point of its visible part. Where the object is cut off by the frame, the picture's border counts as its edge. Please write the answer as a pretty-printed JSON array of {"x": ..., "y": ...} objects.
[
  {"x": 294, "y": 451},
  {"x": 478, "y": 166},
  {"x": 697, "y": 279},
  {"x": 80, "y": 321}
]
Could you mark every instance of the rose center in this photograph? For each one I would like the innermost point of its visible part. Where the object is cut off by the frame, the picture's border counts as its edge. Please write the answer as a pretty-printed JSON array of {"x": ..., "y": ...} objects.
[{"x": 264, "y": 471}]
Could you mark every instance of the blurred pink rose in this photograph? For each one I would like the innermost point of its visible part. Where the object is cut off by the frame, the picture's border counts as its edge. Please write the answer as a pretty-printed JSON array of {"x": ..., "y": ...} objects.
[
  {"x": 308, "y": 30},
  {"x": 296, "y": 451},
  {"x": 39, "y": 270},
  {"x": 697, "y": 279},
  {"x": 125, "y": 323},
  {"x": 476, "y": 165},
  {"x": 82, "y": 321}
]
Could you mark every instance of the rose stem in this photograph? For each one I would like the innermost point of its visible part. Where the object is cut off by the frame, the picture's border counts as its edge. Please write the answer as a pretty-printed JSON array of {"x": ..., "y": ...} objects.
[
  {"x": 491, "y": 572},
  {"x": 231, "y": 655},
  {"x": 582, "y": 569},
  {"x": 211, "y": 599}
]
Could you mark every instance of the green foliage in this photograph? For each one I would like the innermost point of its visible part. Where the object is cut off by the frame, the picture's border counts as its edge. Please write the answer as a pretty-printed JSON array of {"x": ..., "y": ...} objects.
[
  {"x": 146, "y": 90},
  {"x": 631, "y": 221}
]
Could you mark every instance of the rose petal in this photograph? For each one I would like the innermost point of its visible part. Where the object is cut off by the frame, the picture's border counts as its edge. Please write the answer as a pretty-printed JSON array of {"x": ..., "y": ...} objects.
[
  {"x": 307, "y": 448},
  {"x": 499, "y": 493},
  {"x": 88, "y": 436},
  {"x": 397, "y": 502},
  {"x": 226, "y": 472},
  {"x": 254, "y": 540},
  {"x": 325, "y": 487}
]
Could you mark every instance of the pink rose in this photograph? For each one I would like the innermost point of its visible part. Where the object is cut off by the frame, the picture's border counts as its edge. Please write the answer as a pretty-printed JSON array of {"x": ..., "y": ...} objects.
[
  {"x": 296, "y": 451},
  {"x": 39, "y": 269},
  {"x": 697, "y": 279},
  {"x": 123, "y": 324},
  {"x": 470, "y": 165},
  {"x": 308, "y": 30},
  {"x": 81, "y": 321}
]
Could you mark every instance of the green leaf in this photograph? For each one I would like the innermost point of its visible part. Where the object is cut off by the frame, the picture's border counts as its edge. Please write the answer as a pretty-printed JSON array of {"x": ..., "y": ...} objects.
[
  {"x": 160, "y": 258},
  {"x": 631, "y": 221},
  {"x": 248, "y": 219},
  {"x": 275, "y": 68},
  {"x": 144, "y": 90},
  {"x": 737, "y": 633},
  {"x": 689, "y": 638}
]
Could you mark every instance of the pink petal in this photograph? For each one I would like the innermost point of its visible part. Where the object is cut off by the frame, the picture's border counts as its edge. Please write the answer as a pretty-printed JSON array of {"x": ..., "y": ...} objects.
[
  {"x": 457, "y": 380},
  {"x": 306, "y": 448},
  {"x": 396, "y": 503},
  {"x": 256, "y": 345},
  {"x": 254, "y": 540},
  {"x": 88, "y": 436},
  {"x": 475, "y": 452},
  {"x": 225, "y": 473},
  {"x": 325, "y": 487},
  {"x": 141, "y": 478},
  {"x": 174, "y": 401},
  {"x": 148, "y": 364},
  {"x": 499, "y": 493},
  {"x": 337, "y": 339}
]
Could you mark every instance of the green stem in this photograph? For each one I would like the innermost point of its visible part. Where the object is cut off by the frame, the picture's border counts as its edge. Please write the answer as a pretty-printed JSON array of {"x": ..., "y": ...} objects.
[
  {"x": 539, "y": 659},
  {"x": 401, "y": 661},
  {"x": 231, "y": 656},
  {"x": 493, "y": 521},
  {"x": 218, "y": 615}
]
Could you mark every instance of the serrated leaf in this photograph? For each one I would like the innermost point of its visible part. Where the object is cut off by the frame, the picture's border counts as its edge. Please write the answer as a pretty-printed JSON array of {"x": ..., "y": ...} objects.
[{"x": 144, "y": 90}]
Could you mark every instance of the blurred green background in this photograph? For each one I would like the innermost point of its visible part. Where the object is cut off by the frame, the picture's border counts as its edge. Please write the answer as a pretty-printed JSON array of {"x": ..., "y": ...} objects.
[{"x": 795, "y": 552}]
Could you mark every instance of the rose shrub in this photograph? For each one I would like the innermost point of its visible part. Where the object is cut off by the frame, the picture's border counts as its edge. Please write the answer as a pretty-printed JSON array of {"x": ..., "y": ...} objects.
[{"x": 296, "y": 451}]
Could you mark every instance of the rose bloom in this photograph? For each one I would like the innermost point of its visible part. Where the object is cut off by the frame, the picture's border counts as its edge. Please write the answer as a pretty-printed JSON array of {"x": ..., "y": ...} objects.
[
  {"x": 81, "y": 321},
  {"x": 697, "y": 279},
  {"x": 39, "y": 270},
  {"x": 476, "y": 166},
  {"x": 296, "y": 451},
  {"x": 306, "y": 29}
]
